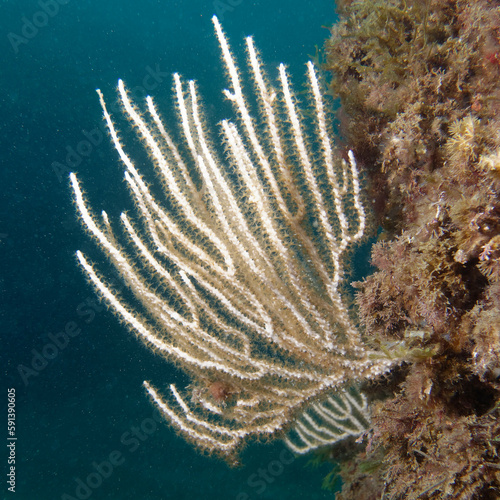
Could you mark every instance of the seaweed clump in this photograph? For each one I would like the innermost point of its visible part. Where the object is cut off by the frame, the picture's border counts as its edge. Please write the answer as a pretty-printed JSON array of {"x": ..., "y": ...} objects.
[{"x": 420, "y": 108}]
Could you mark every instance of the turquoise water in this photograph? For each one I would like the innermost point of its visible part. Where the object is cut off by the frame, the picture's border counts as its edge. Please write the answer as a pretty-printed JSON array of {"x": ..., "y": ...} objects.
[{"x": 84, "y": 427}]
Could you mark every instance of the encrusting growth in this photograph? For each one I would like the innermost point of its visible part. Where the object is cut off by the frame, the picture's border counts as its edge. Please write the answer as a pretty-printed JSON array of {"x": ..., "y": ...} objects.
[{"x": 238, "y": 280}]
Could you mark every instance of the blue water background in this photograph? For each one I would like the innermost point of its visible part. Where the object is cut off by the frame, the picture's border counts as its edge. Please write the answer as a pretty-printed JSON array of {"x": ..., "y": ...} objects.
[{"x": 87, "y": 402}]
